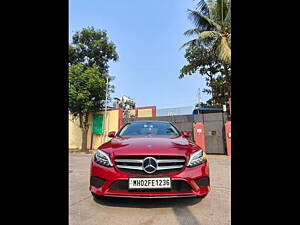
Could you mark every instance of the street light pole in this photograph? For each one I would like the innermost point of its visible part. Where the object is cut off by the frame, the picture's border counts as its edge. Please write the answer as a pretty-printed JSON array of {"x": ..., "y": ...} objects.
[
  {"x": 199, "y": 97},
  {"x": 104, "y": 122}
]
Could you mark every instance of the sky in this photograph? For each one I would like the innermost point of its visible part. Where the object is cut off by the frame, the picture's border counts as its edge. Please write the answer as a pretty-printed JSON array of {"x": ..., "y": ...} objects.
[{"x": 147, "y": 35}]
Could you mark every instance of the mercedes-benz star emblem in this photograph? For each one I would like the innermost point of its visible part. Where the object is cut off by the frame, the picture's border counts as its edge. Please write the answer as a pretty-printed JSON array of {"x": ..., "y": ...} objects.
[{"x": 150, "y": 165}]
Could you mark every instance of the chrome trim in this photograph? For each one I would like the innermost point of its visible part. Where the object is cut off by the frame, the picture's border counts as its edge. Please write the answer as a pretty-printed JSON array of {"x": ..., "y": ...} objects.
[
  {"x": 129, "y": 160},
  {"x": 169, "y": 167},
  {"x": 169, "y": 160},
  {"x": 161, "y": 196},
  {"x": 158, "y": 168},
  {"x": 130, "y": 167},
  {"x": 140, "y": 162}
]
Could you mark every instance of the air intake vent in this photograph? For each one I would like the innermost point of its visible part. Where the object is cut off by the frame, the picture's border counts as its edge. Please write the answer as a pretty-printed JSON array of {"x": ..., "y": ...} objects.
[
  {"x": 96, "y": 181},
  {"x": 177, "y": 185},
  {"x": 202, "y": 181}
]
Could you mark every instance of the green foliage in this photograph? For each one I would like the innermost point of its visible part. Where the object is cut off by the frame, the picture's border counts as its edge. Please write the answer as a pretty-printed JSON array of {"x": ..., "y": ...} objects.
[
  {"x": 209, "y": 54},
  {"x": 89, "y": 54},
  {"x": 91, "y": 47},
  {"x": 87, "y": 89},
  {"x": 217, "y": 74},
  {"x": 203, "y": 105},
  {"x": 202, "y": 60},
  {"x": 212, "y": 21},
  {"x": 219, "y": 90}
]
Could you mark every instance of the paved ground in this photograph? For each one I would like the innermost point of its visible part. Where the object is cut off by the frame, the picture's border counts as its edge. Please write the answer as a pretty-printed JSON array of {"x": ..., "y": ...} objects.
[{"x": 212, "y": 210}]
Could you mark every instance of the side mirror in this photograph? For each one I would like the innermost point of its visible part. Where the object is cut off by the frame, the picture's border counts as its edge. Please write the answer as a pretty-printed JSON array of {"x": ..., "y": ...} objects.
[
  {"x": 111, "y": 134},
  {"x": 186, "y": 134}
]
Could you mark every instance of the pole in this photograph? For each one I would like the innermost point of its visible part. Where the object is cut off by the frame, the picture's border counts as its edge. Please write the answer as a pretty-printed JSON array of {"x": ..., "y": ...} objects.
[
  {"x": 104, "y": 122},
  {"x": 199, "y": 97}
]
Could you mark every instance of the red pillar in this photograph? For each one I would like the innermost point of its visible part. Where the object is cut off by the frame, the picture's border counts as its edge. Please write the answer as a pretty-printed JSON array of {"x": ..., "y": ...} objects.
[
  {"x": 199, "y": 135},
  {"x": 228, "y": 136}
]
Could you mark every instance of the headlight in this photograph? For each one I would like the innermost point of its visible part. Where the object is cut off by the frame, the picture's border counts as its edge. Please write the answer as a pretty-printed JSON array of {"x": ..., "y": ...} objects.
[
  {"x": 197, "y": 158},
  {"x": 102, "y": 158}
]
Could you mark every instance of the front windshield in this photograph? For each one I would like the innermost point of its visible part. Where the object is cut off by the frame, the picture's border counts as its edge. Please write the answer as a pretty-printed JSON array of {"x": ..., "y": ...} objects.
[{"x": 149, "y": 128}]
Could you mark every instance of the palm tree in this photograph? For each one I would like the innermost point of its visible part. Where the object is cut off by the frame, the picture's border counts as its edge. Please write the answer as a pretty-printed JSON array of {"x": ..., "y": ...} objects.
[{"x": 213, "y": 27}]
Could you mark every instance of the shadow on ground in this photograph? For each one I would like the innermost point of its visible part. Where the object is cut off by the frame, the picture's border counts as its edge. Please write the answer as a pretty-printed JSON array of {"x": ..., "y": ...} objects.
[
  {"x": 185, "y": 216},
  {"x": 147, "y": 203}
]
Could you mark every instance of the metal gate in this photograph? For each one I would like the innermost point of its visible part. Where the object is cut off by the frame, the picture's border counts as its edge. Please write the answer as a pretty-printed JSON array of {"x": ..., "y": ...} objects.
[{"x": 214, "y": 132}]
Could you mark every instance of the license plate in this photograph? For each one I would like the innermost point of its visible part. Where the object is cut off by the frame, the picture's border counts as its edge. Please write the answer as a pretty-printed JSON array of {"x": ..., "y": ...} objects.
[{"x": 149, "y": 182}]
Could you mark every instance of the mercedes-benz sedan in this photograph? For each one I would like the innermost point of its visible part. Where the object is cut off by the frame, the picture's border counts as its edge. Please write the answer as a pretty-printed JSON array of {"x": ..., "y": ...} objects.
[{"x": 149, "y": 159}]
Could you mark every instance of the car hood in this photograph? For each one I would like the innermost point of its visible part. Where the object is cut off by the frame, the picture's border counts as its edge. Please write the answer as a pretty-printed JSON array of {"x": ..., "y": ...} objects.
[{"x": 149, "y": 145}]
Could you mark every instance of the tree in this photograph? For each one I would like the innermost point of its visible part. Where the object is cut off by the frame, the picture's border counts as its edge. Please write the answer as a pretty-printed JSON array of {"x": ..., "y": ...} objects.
[
  {"x": 210, "y": 53},
  {"x": 217, "y": 73},
  {"x": 212, "y": 26},
  {"x": 87, "y": 90},
  {"x": 89, "y": 55},
  {"x": 92, "y": 48},
  {"x": 219, "y": 90}
]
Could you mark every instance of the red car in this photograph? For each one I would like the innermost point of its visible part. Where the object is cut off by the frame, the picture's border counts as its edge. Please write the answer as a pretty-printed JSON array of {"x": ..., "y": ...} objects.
[{"x": 149, "y": 159}]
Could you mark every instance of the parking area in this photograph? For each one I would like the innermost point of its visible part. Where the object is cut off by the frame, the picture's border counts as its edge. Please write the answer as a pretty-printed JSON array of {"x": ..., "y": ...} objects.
[{"x": 212, "y": 210}]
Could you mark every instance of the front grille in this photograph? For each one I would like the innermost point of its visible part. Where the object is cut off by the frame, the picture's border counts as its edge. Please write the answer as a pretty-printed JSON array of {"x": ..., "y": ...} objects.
[
  {"x": 165, "y": 164},
  {"x": 177, "y": 185}
]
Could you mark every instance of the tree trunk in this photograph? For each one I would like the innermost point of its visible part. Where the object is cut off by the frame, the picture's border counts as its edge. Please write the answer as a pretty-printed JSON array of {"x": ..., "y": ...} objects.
[
  {"x": 83, "y": 120},
  {"x": 228, "y": 78},
  {"x": 212, "y": 90},
  {"x": 84, "y": 140}
]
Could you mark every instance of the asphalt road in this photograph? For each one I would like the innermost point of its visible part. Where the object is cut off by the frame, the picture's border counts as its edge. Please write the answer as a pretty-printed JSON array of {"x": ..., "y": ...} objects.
[{"x": 212, "y": 210}]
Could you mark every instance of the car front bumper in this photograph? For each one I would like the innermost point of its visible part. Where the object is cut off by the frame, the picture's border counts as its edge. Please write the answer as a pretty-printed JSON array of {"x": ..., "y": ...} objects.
[{"x": 186, "y": 175}]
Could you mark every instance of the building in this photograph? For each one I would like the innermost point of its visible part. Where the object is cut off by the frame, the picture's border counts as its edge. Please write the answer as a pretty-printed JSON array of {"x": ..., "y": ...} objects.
[
  {"x": 99, "y": 128},
  {"x": 175, "y": 111}
]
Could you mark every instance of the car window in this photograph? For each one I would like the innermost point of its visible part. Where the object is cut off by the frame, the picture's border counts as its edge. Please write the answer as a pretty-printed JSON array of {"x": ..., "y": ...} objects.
[{"x": 147, "y": 128}]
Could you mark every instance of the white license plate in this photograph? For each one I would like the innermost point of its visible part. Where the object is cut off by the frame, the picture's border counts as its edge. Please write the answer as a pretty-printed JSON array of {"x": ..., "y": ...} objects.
[{"x": 149, "y": 182}]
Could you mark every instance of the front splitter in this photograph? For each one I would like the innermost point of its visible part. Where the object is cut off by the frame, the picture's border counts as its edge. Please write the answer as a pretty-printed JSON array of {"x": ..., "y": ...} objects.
[{"x": 141, "y": 196}]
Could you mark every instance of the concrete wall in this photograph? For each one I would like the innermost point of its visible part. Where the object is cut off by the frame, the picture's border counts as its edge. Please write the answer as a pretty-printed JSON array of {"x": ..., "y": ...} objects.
[
  {"x": 140, "y": 112},
  {"x": 148, "y": 111},
  {"x": 219, "y": 116},
  {"x": 144, "y": 113},
  {"x": 74, "y": 134},
  {"x": 111, "y": 124},
  {"x": 132, "y": 112},
  {"x": 114, "y": 121},
  {"x": 175, "y": 111}
]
